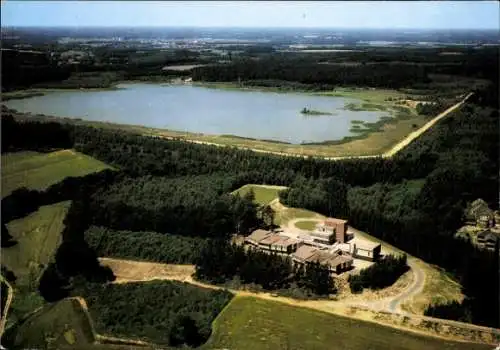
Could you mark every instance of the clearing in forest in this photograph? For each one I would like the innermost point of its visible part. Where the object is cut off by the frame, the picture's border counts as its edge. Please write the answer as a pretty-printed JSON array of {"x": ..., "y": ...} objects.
[
  {"x": 251, "y": 323},
  {"x": 264, "y": 194},
  {"x": 38, "y": 171},
  {"x": 38, "y": 236},
  {"x": 269, "y": 194}
]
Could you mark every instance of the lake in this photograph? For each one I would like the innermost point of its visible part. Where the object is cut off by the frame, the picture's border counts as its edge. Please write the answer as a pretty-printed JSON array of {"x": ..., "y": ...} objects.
[{"x": 260, "y": 115}]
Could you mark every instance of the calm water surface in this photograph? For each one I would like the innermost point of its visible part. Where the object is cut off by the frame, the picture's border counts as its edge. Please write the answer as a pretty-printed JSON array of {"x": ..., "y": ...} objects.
[{"x": 261, "y": 115}]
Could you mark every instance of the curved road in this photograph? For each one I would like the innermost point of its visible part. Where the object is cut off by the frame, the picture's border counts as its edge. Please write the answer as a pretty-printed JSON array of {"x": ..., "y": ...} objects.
[
  {"x": 415, "y": 288},
  {"x": 393, "y": 303}
]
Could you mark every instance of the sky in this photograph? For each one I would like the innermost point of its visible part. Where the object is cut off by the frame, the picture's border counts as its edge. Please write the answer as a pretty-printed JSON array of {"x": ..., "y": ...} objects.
[{"x": 376, "y": 14}]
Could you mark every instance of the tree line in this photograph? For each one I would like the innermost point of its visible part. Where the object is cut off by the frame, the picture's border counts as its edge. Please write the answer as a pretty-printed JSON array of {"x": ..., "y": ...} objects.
[
  {"x": 306, "y": 72},
  {"x": 148, "y": 246}
]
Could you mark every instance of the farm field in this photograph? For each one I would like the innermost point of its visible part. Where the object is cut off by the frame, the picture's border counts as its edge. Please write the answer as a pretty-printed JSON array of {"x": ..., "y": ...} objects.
[
  {"x": 38, "y": 171},
  {"x": 251, "y": 323},
  {"x": 62, "y": 325},
  {"x": 59, "y": 324},
  {"x": 263, "y": 194},
  {"x": 38, "y": 235}
]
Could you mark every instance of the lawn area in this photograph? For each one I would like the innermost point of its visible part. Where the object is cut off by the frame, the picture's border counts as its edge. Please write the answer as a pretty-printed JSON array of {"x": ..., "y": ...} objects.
[
  {"x": 439, "y": 288},
  {"x": 251, "y": 323},
  {"x": 284, "y": 214},
  {"x": 40, "y": 170},
  {"x": 263, "y": 194},
  {"x": 306, "y": 225},
  {"x": 38, "y": 235},
  {"x": 55, "y": 326}
]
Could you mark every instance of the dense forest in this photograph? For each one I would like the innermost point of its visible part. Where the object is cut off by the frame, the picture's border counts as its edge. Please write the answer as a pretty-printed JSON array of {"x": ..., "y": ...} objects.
[
  {"x": 163, "y": 312},
  {"x": 196, "y": 206},
  {"x": 301, "y": 71},
  {"x": 147, "y": 246},
  {"x": 380, "y": 275}
]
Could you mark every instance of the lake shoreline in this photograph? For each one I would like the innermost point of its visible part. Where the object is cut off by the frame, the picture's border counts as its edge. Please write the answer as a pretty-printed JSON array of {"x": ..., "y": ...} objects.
[{"x": 367, "y": 139}]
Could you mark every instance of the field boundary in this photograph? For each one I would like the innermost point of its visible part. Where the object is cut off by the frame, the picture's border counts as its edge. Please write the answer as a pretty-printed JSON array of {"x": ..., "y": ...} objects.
[{"x": 424, "y": 325}]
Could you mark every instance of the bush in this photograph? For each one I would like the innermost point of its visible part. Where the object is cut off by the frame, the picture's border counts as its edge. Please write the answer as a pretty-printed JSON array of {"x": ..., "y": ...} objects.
[{"x": 380, "y": 275}]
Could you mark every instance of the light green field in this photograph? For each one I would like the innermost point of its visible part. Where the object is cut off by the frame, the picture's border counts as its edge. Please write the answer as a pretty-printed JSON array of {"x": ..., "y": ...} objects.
[
  {"x": 306, "y": 225},
  {"x": 38, "y": 235},
  {"x": 263, "y": 194},
  {"x": 251, "y": 323},
  {"x": 38, "y": 171}
]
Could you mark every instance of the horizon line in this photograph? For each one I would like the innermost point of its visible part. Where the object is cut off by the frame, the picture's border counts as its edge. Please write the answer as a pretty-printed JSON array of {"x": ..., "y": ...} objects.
[{"x": 237, "y": 27}]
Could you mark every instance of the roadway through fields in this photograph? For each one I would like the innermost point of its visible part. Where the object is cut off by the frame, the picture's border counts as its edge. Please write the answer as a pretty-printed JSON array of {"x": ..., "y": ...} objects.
[{"x": 147, "y": 271}]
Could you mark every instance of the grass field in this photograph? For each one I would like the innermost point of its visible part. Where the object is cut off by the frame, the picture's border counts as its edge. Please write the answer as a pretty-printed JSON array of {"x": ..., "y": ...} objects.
[
  {"x": 38, "y": 235},
  {"x": 263, "y": 194},
  {"x": 306, "y": 225},
  {"x": 40, "y": 170},
  {"x": 57, "y": 325},
  {"x": 250, "y": 323},
  {"x": 439, "y": 289}
]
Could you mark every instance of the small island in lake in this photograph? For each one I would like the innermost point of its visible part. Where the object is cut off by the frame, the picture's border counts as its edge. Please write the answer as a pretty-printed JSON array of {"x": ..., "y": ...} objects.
[{"x": 307, "y": 111}]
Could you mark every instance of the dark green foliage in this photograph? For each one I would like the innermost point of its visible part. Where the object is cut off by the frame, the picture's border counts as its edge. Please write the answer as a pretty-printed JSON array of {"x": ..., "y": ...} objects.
[
  {"x": 315, "y": 278},
  {"x": 431, "y": 109},
  {"x": 32, "y": 136},
  {"x": 191, "y": 206},
  {"x": 6, "y": 240},
  {"x": 184, "y": 331},
  {"x": 328, "y": 196},
  {"x": 169, "y": 313},
  {"x": 451, "y": 311},
  {"x": 141, "y": 155},
  {"x": 149, "y": 246},
  {"x": 309, "y": 72},
  {"x": 221, "y": 262},
  {"x": 8, "y": 274},
  {"x": 382, "y": 274},
  {"x": 53, "y": 285}
]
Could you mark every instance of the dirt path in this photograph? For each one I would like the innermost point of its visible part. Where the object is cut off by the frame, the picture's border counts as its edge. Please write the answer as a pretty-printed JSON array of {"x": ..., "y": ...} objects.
[
  {"x": 395, "y": 149},
  {"x": 415, "y": 288},
  {"x": 5, "y": 311},
  {"x": 411, "y": 323},
  {"x": 408, "y": 139},
  {"x": 128, "y": 271}
]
